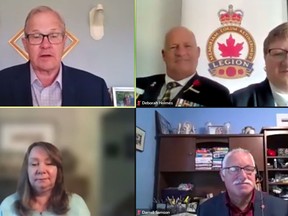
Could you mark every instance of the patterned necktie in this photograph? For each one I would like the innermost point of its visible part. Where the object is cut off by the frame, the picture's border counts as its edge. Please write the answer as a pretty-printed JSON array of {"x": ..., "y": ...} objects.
[{"x": 167, "y": 93}]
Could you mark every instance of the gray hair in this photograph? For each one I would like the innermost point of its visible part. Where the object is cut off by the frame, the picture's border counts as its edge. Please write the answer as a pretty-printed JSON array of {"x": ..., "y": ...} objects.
[
  {"x": 234, "y": 151},
  {"x": 41, "y": 9}
]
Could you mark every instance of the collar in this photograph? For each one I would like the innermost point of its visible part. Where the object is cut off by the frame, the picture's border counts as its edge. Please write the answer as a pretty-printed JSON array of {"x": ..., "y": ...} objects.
[
  {"x": 280, "y": 98},
  {"x": 182, "y": 82},
  {"x": 234, "y": 208},
  {"x": 34, "y": 78}
]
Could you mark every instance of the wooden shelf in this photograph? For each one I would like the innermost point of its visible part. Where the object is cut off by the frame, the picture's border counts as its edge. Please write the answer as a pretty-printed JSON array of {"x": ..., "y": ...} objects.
[
  {"x": 278, "y": 169},
  {"x": 175, "y": 159},
  {"x": 277, "y": 129},
  {"x": 212, "y": 170},
  {"x": 275, "y": 138},
  {"x": 277, "y": 157},
  {"x": 278, "y": 183},
  {"x": 209, "y": 135}
]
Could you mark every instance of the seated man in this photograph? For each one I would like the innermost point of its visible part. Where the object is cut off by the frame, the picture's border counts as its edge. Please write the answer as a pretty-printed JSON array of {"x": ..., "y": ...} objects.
[
  {"x": 273, "y": 91},
  {"x": 44, "y": 80},
  {"x": 181, "y": 85},
  {"x": 241, "y": 198}
]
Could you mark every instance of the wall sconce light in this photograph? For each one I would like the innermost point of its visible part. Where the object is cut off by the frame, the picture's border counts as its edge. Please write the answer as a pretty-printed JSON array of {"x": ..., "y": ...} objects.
[{"x": 96, "y": 16}]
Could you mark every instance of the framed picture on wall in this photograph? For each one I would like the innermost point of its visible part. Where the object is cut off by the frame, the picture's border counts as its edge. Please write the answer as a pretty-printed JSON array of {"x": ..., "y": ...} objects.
[
  {"x": 163, "y": 126},
  {"x": 17, "y": 137},
  {"x": 140, "y": 139},
  {"x": 220, "y": 129},
  {"x": 282, "y": 119},
  {"x": 123, "y": 96}
]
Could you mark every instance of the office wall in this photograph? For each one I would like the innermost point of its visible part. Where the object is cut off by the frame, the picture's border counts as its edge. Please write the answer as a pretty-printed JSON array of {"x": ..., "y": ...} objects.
[
  {"x": 145, "y": 161},
  {"x": 145, "y": 119},
  {"x": 153, "y": 19},
  {"x": 118, "y": 167},
  {"x": 112, "y": 57}
]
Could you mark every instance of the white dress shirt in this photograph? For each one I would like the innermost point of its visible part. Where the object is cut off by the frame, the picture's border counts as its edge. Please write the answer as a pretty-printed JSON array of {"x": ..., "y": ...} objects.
[
  {"x": 46, "y": 96},
  {"x": 175, "y": 90},
  {"x": 280, "y": 98}
]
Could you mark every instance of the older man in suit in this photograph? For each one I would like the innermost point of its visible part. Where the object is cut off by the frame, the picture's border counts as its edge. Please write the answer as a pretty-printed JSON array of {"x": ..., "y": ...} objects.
[
  {"x": 181, "y": 85},
  {"x": 44, "y": 80},
  {"x": 241, "y": 197}
]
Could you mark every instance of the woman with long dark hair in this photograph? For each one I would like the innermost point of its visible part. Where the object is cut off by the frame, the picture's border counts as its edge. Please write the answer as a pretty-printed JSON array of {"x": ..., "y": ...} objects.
[{"x": 41, "y": 189}]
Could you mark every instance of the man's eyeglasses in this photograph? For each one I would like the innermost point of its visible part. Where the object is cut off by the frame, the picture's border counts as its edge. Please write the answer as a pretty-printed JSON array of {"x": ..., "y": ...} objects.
[
  {"x": 278, "y": 54},
  {"x": 37, "y": 38},
  {"x": 233, "y": 170}
]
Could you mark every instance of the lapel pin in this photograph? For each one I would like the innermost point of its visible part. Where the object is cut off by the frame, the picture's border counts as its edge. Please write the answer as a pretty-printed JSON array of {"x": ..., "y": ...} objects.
[{"x": 195, "y": 84}]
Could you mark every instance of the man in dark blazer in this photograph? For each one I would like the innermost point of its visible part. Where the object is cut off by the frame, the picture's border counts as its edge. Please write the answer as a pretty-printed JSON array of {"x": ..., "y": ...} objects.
[
  {"x": 241, "y": 198},
  {"x": 255, "y": 95},
  {"x": 79, "y": 88},
  {"x": 273, "y": 91},
  {"x": 44, "y": 80},
  {"x": 181, "y": 54},
  {"x": 204, "y": 92},
  {"x": 264, "y": 205}
]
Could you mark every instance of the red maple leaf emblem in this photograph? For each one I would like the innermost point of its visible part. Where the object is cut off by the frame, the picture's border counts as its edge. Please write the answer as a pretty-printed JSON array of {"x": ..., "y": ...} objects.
[{"x": 230, "y": 49}]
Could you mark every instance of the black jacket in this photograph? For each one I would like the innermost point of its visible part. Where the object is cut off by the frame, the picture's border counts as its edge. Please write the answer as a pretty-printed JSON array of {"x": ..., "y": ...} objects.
[
  {"x": 255, "y": 95},
  {"x": 211, "y": 93},
  {"x": 79, "y": 88},
  {"x": 271, "y": 206}
]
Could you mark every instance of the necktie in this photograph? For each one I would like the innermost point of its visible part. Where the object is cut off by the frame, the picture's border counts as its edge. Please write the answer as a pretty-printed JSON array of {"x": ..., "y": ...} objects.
[{"x": 167, "y": 93}]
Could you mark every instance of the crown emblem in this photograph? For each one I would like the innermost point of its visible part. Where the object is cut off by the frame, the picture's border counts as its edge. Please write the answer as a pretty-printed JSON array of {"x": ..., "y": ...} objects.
[{"x": 230, "y": 16}]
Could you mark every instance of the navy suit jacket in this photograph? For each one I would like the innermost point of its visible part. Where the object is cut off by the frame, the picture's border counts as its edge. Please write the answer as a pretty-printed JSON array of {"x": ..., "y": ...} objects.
[
  {"x": 79, "y": 88},
  {"x": 211, "y": 93},
  {"x": 255, "y": 95},
  {"x": 271, "y": 206}
]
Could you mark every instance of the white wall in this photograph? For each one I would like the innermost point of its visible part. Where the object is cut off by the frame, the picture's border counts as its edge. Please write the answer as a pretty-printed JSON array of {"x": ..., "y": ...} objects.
[
  {"x": 257, "y": 25},
  {"x": 153, "y": 19},
  {"x": 111, "y": 58}
]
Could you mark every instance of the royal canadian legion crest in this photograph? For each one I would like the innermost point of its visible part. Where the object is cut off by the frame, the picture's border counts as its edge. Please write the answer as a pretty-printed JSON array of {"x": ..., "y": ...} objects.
[{"x": 230, "y": 49}]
